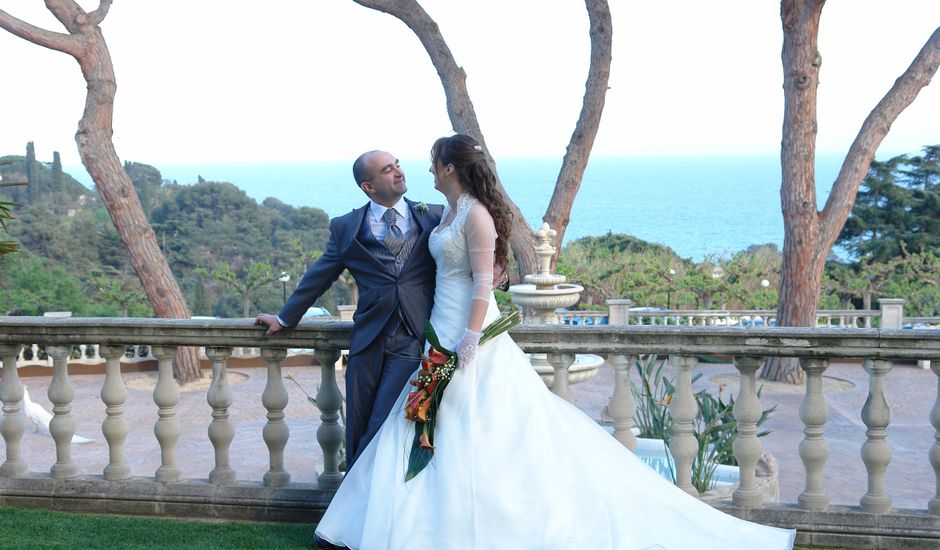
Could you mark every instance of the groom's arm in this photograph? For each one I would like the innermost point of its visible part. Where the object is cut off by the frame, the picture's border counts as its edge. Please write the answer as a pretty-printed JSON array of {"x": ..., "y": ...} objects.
[{"x": 314, "y": 283}]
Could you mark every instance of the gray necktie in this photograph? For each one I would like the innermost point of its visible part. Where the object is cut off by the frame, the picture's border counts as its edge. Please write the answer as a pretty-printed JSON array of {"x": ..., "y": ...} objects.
[{"x": 394, "y": 239}]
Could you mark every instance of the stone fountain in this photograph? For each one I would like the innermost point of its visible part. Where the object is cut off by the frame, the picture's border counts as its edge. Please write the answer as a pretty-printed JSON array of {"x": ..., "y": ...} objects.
[{"x": 540, "y": 295}]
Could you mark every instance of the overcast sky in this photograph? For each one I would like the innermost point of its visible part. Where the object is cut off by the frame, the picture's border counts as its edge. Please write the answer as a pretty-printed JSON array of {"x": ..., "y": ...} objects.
[{"x": 205, "y": 81}]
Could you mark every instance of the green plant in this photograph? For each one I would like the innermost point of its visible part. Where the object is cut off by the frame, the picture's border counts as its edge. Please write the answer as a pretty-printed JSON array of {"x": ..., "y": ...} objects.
[{"x": 714, "y": 429}]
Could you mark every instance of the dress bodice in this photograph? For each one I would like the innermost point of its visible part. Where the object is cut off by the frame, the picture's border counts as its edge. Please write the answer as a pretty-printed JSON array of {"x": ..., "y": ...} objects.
[
  {"x": 448, "y": 243},
  {"x": 452, "y": 245}
]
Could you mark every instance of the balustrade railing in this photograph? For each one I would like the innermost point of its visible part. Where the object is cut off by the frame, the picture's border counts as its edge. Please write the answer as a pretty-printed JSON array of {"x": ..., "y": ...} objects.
[
  {"x": 742, "y": 318},
  {"x": 620, "y": 345}
]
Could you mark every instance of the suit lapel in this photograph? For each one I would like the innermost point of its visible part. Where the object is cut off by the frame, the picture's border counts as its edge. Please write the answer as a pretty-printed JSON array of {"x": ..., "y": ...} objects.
[
  {"x": 354, "y": 248},
  {"x": 424, "y": 223}
]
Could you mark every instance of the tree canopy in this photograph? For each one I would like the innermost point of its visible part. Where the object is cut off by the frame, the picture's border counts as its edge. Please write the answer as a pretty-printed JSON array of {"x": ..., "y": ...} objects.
[
  {"x": 201, "y": 228},
  {"x": 897, "y": 208}
]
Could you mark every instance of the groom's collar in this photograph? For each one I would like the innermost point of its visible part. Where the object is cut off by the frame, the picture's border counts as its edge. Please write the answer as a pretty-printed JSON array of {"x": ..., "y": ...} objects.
[{"x": 378, "y": 210}]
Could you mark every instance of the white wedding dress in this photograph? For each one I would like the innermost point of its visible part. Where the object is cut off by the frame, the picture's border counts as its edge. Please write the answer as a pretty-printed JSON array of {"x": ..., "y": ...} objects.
[{"x": 514, "y": 466}]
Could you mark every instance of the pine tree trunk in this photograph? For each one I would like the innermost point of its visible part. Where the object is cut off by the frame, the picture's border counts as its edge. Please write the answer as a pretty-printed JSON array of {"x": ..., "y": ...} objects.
[
  {"x": 86, "y": 44},
  {"x": 808, "y": 233},
  {"x": 119, "y": 197}
]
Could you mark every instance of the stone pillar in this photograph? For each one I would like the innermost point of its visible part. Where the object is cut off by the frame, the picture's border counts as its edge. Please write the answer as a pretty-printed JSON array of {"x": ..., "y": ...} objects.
[
  {"x": 618, "y": 311},
  {"x": 561, "y": 362},
  {"x": 933, "y": 506},
  {"x": 221, "y": 430},
  {"x": 13, "y": 423},
  {"x": 346, "y": 312},
  {"x": 166, "y": 395},
  {"x": 892, "y": 312},
  {"x": 813, "y": 449},
  {"x": 115, "y": 427},
  {"x": 276, "y": 431},
  {"x": 622, "y": 405},
  {"x": 747, "y": 447},
  {"x": 876, "y": 452},
  {"x": 62, "y": 426},
  {"x": 331, "y": 433},
  {"x": 684, "y": 410}
]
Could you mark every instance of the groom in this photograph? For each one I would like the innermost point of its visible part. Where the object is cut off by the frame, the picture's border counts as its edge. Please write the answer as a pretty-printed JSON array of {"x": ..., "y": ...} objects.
[{"x": 384, "y": 245}]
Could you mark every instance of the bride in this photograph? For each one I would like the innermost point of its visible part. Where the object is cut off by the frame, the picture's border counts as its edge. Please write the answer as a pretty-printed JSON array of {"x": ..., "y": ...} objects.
[{"x": 514, "y": 466}]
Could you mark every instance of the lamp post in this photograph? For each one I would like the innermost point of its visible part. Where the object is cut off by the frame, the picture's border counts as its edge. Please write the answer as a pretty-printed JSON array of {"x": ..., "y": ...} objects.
[
  {"x": 669, "y": 275},
  {"x": 285, "y": 276}
]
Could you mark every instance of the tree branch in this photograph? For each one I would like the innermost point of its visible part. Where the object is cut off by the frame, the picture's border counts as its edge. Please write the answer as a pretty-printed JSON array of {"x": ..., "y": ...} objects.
[
  {"x": 581, "y": 143},
  {"x": 97, "y": 16},
  {"x": 872, "y": 132},
  {"x": 459, "y": 107},
  {"x": 36, "y": 35}
]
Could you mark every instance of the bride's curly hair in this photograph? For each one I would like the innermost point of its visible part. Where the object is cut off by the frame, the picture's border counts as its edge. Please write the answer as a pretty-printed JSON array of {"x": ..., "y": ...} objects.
[{"x": 478, "y": 179}]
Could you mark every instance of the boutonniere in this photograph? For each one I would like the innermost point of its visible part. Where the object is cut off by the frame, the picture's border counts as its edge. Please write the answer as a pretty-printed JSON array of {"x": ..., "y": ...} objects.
[{"x": 421, "y": 207}]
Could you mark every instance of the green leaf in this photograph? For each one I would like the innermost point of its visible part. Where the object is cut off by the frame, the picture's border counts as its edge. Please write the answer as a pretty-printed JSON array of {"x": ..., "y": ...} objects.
[
  {"x": 419, "y": 457},
  {"x": 432, "y": 339}
]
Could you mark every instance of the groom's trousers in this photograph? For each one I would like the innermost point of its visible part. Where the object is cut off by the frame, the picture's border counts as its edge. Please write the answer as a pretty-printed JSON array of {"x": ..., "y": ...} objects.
[{"x": 382, "y": 370}]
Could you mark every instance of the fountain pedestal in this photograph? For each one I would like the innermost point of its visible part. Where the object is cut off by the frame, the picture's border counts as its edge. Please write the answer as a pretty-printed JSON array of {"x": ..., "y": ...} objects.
[{"x": 540, "y": 295}]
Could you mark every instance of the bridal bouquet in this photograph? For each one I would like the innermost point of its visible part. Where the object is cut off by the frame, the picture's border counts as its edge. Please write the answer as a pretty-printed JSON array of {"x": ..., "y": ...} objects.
[{"x": 437, "y": 369}]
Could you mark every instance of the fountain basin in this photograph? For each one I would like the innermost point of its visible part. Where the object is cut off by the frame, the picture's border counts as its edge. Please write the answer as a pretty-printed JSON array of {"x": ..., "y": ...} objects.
[{"x": 584, "y": 368}]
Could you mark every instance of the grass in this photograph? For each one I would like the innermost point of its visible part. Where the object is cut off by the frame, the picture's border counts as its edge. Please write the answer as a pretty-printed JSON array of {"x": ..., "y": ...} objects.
[{"x": 38, "y": 529}]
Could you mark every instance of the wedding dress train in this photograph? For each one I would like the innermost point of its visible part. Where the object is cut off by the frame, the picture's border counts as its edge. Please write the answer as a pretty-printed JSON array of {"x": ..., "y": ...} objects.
[{"x": 514, "y": 466}]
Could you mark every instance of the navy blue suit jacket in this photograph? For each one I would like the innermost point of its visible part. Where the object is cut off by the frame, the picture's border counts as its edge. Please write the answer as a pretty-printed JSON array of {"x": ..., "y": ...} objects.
[{"x": 381, "y": 292}]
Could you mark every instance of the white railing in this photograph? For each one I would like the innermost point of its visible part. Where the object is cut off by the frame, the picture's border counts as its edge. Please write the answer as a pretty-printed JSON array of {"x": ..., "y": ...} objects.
[{"x": 111, "y": 489}]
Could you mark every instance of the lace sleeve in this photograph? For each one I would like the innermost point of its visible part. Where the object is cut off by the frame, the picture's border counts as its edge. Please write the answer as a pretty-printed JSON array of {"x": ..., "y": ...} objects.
[{"x": 481, "y": 245}]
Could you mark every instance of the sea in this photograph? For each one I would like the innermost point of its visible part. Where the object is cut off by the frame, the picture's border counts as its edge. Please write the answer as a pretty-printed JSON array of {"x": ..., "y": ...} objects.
[{"x": 699, "y": 206}]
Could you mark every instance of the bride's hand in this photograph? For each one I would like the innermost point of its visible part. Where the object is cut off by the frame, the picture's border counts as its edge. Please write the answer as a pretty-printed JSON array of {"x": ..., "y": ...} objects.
[{"x": 467, "y": 347}]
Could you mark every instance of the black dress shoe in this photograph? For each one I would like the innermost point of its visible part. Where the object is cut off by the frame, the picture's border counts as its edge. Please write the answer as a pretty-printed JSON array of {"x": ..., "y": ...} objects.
[{"x": 325, "y": 544}]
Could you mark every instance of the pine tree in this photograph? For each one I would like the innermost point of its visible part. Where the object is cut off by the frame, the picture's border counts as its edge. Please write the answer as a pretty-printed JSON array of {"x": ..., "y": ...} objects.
[{"x": 897, "y": 207}]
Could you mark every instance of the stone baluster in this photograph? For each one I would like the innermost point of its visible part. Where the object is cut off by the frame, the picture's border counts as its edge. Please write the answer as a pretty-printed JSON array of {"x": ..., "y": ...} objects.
[
  {"x": 933, "y": 506},
  {"x": 876, "y": 452},
  {"x": 62, "y": 426},
  {"x": 115, "y": 427},
  {"x": 13, "y": 423},
  {"x": 813, "y": 449},
  {"x": 684, "y": 409},
  {"x": 221, "y": 429},
  {"x": 561, "y": 362},
  {"x": 747, "y": 447},
  {"x": 331, "y": 433},
  {"x": 166, "y": 395},
  {"x": 622, "y": 405},
  {"x": 275, "y": 432}
]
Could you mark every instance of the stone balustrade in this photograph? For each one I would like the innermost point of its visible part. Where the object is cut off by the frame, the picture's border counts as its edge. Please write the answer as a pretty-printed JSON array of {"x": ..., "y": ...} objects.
[
  {"x": 619, "y": 311},
  {"x": 276, "y": 497},
  {"x": 742, "y": 318}
]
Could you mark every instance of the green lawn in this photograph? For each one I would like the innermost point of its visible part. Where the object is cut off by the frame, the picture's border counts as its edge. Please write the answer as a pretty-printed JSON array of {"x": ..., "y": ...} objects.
[{"x": 29, "y": 529}]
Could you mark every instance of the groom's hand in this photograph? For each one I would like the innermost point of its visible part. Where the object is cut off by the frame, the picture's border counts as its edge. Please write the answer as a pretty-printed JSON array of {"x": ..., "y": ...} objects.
[
  {"x": 500, "y": 278},
  {"x": 270, "y": 321}
]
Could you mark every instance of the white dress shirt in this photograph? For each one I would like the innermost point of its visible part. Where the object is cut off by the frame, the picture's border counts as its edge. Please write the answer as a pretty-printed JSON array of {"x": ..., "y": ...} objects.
[{"x": 377, "y": 224}]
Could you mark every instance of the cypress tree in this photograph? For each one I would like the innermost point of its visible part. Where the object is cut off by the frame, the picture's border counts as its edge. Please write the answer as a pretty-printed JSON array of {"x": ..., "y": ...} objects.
[
  {"x": 31, "y": 178},
  {"x": 57, "y": 178}
]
